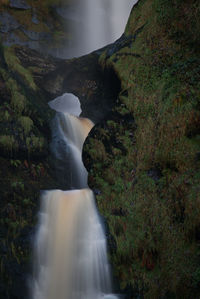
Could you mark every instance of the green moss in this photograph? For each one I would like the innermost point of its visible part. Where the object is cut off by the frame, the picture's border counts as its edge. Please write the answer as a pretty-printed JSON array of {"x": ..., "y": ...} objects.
[
  {"x": 8, "y": 143},
  {"x": 14, "y": 64},
  {"x": 150, "y": 179},
  {"x": 26, "y": 124},
  {"x": 35, "y": 144},
  {"x": 11, "y": 84},
  {"x": 18, "y": 102},
  {"x": 25, "y": 168},
  {"x": 4, "y": 73}
]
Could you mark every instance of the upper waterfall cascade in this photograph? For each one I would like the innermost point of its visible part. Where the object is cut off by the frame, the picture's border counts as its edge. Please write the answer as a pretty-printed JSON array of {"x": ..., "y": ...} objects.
[{"x": 98, "y": 23}]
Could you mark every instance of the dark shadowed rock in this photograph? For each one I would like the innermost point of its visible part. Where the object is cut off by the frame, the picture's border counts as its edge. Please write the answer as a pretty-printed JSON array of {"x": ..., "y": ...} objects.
[
  {"x": 82, "y": 76},
  {"x": 7, "y": 22},
  {"x": 122, "y": 42},
  {"x": 36, "y": 36},
  {"x": 155, "y": 174},
  {"x": 34, "y": 18},
  {"x": 12, "y": 38},
  {"x": 19, "y": 4}
]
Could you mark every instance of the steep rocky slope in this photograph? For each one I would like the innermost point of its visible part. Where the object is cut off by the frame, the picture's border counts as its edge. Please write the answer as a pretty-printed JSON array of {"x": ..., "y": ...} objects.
[
  {"x": 146, "y": 156},
  {"x": 25, "y": 168}
]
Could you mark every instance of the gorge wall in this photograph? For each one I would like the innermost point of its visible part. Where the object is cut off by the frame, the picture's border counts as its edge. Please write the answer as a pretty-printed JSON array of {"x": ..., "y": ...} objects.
[
  {"x": 28, "y": 81},
  {"x": 145, "y": 157}
]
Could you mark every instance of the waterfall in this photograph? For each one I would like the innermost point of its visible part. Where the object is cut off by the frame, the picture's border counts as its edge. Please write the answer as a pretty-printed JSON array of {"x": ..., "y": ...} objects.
[
  {"x": 70, "y": 245},
  {"x": 97, "y": 23},
  {"x": 69, "y": 134},
  {"x": 71, "y": 248},
  {"x": 70, "y": 256}
]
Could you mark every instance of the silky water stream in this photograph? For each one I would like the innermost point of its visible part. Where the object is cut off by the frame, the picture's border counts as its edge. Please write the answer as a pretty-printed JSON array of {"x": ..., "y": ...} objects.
[
  {"x": 70, "y": 245},
  {"x": 70, "y": 255}
]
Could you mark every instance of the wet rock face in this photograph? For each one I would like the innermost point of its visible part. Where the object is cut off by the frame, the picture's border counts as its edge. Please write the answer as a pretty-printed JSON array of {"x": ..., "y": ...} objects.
[
  {"x": 35, "y": 18},
  {"x": 8, "y": 23},
  {"x": 19, "y": 4},
  {"x": 30, "y": 25},
  {"x": 37, "y": 36},
  {"x": 11, "y": 31}
]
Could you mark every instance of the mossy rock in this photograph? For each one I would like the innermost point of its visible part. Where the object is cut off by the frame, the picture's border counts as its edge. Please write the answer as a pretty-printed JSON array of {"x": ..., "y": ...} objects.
[{"x": 148, "y": 181}]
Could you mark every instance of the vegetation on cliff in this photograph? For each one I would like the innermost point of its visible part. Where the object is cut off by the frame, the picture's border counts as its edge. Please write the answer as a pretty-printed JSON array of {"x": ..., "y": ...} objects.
[
  {"x": 25, "y": 169},
  {"x": 28, "y": 80},
  {"x": 146, "y": 157}
]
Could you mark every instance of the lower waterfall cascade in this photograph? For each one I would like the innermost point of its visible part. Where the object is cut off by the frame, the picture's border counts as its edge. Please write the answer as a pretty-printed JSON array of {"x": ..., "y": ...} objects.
[{"x": 70, "y": 249}]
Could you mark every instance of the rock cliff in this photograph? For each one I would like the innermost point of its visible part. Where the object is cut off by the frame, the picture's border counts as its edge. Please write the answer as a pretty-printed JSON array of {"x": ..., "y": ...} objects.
[{"x": 145, "y": 156}]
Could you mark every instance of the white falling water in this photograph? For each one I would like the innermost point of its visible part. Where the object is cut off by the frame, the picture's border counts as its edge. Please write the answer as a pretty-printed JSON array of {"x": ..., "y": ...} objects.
[
  {"x": 98, "y": 23},
  {"x": 68, "y": 103},
  {"x": 69, "y": 134},
  {"x": 70, "y": 245},
  {"x": 71, "y": 248}
]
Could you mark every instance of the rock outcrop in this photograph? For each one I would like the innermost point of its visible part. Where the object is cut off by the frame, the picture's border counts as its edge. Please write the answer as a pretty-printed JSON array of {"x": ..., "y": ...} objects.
[
  {"x": 96, "y": 89},
  {"x": 34, "y": 24}
]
